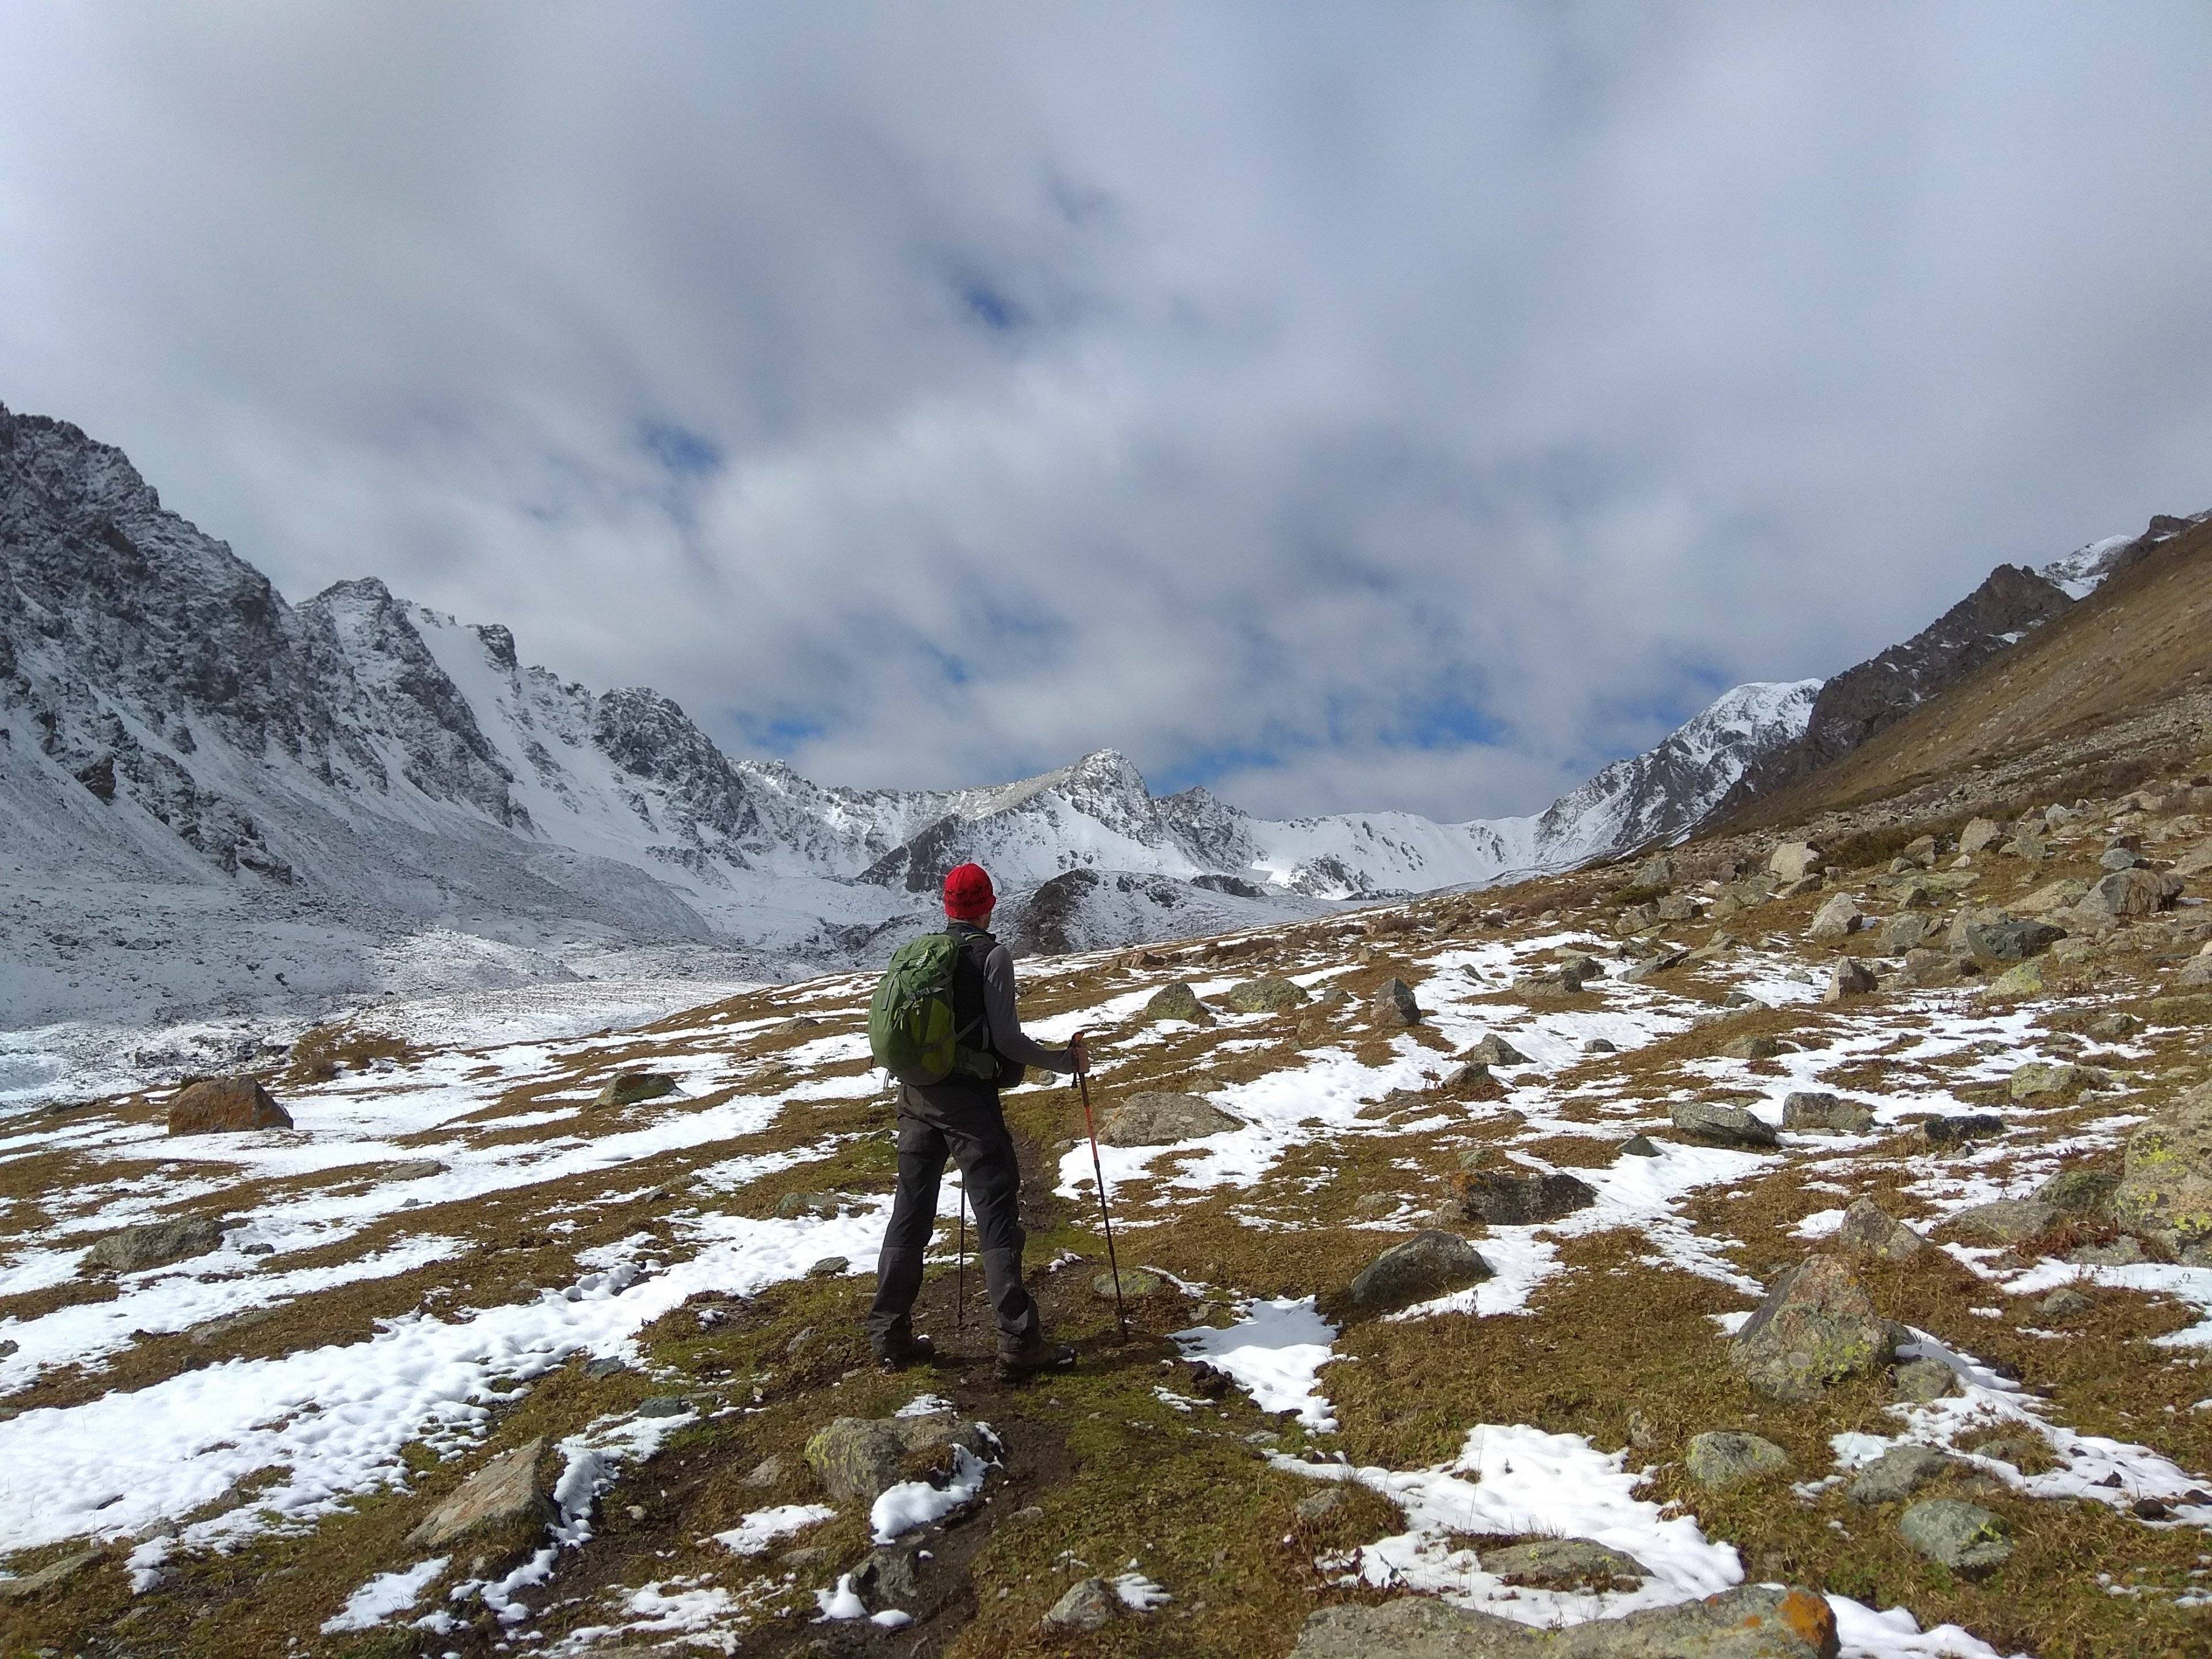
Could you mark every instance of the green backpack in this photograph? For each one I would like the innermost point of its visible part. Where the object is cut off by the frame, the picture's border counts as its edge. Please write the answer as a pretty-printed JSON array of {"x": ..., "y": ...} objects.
[{"x": 910, "y": 1019}]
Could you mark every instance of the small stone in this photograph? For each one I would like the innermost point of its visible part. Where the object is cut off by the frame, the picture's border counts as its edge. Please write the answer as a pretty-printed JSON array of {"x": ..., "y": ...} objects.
[
  {"x": 1980, "y": 834},
  {"x": 1178, "y": 1001},
  {"x": 1677, "y": 906},
  {"x": 766, "y": 1472},
  {"x": 1908, "y": 930},
  {"x": 1866, "y": 1230},
  {"x": 1721, "y": 1125},
  {"x": 224, "y": 1105},
  {"x": 1922, "y": 1380},
  {"x": 1562, "y": 1563},
  {"x": 1810, "y": 1111},
  {"x": 1958, "y": 1130},
  {"x": 1639, "y": 1146},
  {"x": 1495, "y": 1051},
  {"x": 857, "y": 1459},
  {"x": 1319, "y": 1507},
  {"x": 415, "y": 1169},
  {"x": 665, "y": 1405},
  {"x": 633, "y": 1086},
  {"x": 2064, "y": 1303},
  {"x": 1428, "y": 1264},
  {"x": 1395, "y": 1004},
  {"x": 830, "y": 1267},
  {"x": 1898, "y": 1473},
  {"x": 1964, "y": 1537},
  {"x": 1722, "y": 1458},
  {"x": 1752, "y": 1621},
  {"x": 1089, "y": 1605}
]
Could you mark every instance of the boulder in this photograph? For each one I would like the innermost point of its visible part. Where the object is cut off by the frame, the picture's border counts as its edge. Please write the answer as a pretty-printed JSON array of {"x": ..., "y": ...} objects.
[
  {"x": 633, "y": 1086},
  {"x": 1157, "y": 1119},
  {"x": 2006, "y": 1221},
  {"x": 2165, "y": 1186},
  {"x": 1657, "y": 870},
  {"x": 1395, "y": 1004},
  {"x": 1752, "y": 1621},
  {"x": 1658, "y": 962},
  {"x": 2125, "y": 1251},
  {"x": 1562, "y": 1563},
  {"x": 1898, "y": 1473},
  {"x": 1980, "y": 834},
  {"x": 2009, "y": 940},
  {"x": 2064, "y": 1303},
  {"x": 224, "y": 1105},
  {"x": 30, "y": 1586},
  {"x": 2131, "y": 893},
  {"x": 1908, "y": 930},
  {"x": 793, "y": 1205},
  {"x": 2079, "y": 1192},
  {"x": 1958, "y": 1130},
  {"x": 1924, "y": 1380},
  {"x": 886, "y": 1576},
  {"x": 1964, "y": 1537},
  {"x": 1721, "y": 1125},
  {"x": 2024, "y": 981},
  {"x": 1679, "y": 906},
  {"x": 415, "y": 1169},
  {"x": 1088, "y": 1605},
  {"x": 1135, "y": 1282},
  {"x": 2197, "y": 972},
  {"x": 1849, "y": 977},
  {"x": 1522, "y": 1199},
  {"x": 1813, "y": 1112},
  {"x": 1265, "y": 995},
  {"x": 1177, "y": 1002},
  {"x": 1837, "y": 918},
  {"x": 2056, "y": 895},
  {"x": 510, "y": 1491},
  {"x": 1429, "y": 1263},
  {"x": 1495, "y": 1051},
  {"x": 1758, "y": 1046},
  {"x": 1817, "y": 1327},
  {"x": 1724, "y": 1458},
  {"x": 2122, "y": 858},
  {"x": 154, "y": 1244},
  {"x": 858, "y": 1459},
  {"x": 1868, "y": 1229},
  {"x": 1794, "y": 860},
  {"x": 1639, "y": 1146}
]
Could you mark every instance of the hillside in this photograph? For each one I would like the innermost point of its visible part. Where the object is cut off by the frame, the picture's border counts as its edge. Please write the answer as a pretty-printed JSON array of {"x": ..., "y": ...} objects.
[{"x": 1617, "y": 1120}]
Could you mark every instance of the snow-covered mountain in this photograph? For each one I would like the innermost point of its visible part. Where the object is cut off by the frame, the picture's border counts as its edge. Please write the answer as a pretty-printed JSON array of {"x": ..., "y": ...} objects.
[{"x": 207, "y": 793}]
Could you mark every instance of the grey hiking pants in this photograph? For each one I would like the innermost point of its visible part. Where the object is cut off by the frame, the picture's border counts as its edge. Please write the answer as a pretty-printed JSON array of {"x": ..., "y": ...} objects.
[{"x": 966, "y": 1126}]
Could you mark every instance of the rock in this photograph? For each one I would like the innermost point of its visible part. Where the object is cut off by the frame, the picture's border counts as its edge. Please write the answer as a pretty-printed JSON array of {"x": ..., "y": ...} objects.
[
  {"x": 1816, "y": 1328},
  {"x": 1567, "y": 979},
  {"x": 224, "y": 1105},
  {"x": 33, "y": 1585},
  {"x": 2058, "y": 896},
  {"x": 766, "y": 1472},
  {"x": 415, "y": 1169},
  {"x": 830, "y": 1267},
  {"x": 2131, "y": 893},
  {"x": 510, "y": 1490},
  {"x": 2064, "y": 1303},
  {"x": 1088, "y": 1605},
  {"x": 1794, "y": 860},
  {"x": 1964, "y": 1537},
  {"x": 1811, "y": 1112},
  {"x": 2038, "y": 1081},
  {"x": 2165, "y": 1186},
  {"x": 633, "y": 1086},
  {"x": 1849, "y": 977},
  {"x": 1428, "y": 1264},
  {"x": 887, "y": 1576},
  {"x": 858, "y": 1459},
  {"x": 1721, "y": 1125},
  {"x": 2122, "y": 858},
  {"x": 1510, "y": 1199},
  {"x": 1659, "y": 963},
  {"x": 2197, "y": 972},
  {"x": 1265, "y": 996},
  {"x": 1495, "y": 1051},
  {"x": 1135, "y": 1282},
  {"x": 1178, "y": 1001},
  {"x": 1679, "y": 906},
  {"x": 2079, "y": 1192},
  {"x": 1473, "y": 1075},
  {"x": 1758, "y": 1046},
  {"x": 1898, "y": 1473},
  {"x": 665, "y": 1405},
  {"x": 1657, "y": 870},
  {"x": 1752, "y": 1621},
  {"x": 2125, "y": 1251},
  {"x": 791, "y": 1206},
  {"x": 1924, "y": 1380},
  {"x": 1837, "y": 918},
  {"x": 1639, "y": 1146},
  {"x": 1908, "y": 930},
  {"x": 155, "y": 1245},
  {"x": 2006, "y": 1221},
  {"x": 1395, "y": 1004},
  {"x": 1721, "y": 1458},
  {"x": 1980, "y": 834},
  {"x": 2114, "y": 1028},
  {"x": 1562, "y": 1563},
  {"x": 797, "y": 1025},
  {"x": 1323, "y": 1504},
  {"x": 1958, "y": 1130},
  {"x": 1868, "y": 1230},
  {"x": 1601, "y": 1046},
  {"x": 2011, "y": 941},
  {"x": 1157, "y": 1119},
  {"x": 2025, "y": 981}
]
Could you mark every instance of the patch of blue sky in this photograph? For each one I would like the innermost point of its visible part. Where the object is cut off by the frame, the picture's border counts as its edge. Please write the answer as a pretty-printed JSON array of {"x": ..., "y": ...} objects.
[
  {"x": 682, "y": 451},
  {"x": 780, "y": 735}
]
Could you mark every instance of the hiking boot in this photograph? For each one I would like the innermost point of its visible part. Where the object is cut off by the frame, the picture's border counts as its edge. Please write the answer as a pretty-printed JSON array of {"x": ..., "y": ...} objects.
[
  {"x": 914, "y": 1350},
  {"x": 1038, "y": 1356}
]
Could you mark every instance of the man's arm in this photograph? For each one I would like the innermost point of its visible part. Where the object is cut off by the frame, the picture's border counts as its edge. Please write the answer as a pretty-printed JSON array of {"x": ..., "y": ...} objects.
[{"x": 1007, "y": 1036}]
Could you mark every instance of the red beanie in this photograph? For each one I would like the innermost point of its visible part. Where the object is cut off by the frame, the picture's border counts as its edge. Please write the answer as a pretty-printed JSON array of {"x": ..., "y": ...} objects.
[{"x": 967, "y": 895}]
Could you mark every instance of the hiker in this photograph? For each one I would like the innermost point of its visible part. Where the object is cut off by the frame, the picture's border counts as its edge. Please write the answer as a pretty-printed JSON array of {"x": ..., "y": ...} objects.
[{"x": 960, "y": 1116}]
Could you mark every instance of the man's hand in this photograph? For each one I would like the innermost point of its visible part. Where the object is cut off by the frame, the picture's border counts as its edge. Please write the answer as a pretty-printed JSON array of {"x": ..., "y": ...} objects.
[{"x": 1079, "y": 1050}]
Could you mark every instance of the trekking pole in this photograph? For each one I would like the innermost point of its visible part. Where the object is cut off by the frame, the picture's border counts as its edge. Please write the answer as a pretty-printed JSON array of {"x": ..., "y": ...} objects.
[
  {"x": 1113, "y": 1266},
  {"x": 960, "y": 1296}
]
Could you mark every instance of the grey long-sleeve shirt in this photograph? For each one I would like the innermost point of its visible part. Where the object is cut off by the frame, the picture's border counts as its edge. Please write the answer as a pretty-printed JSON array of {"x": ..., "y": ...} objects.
[{"x": 1007, "y": 1037}]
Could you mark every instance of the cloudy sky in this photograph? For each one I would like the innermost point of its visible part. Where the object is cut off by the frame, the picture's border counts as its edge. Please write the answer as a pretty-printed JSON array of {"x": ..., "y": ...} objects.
[{"x": 1343, "y": 406}]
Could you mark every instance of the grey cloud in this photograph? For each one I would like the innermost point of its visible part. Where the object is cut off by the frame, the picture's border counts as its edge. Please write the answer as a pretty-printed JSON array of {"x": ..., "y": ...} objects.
[{"x": 1209, "y": 382}]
